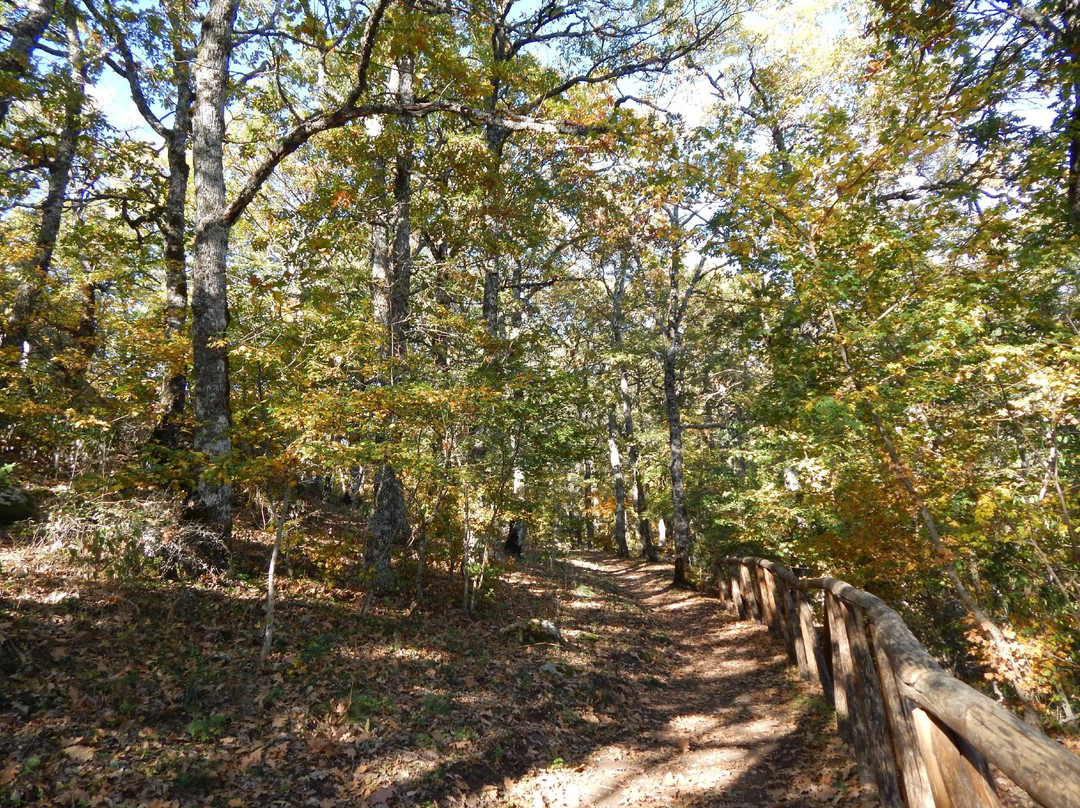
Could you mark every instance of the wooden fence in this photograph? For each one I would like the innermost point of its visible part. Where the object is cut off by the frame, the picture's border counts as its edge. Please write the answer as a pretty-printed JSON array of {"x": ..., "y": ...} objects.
[{"x": 921, "y": 736}]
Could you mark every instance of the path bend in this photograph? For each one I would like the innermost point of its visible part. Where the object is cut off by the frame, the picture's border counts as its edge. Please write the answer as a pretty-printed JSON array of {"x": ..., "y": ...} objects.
[{"x": 727, "y": 724}]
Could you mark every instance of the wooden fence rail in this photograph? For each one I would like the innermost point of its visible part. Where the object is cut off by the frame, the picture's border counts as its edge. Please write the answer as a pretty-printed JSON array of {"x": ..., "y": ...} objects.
[{"x": 921, "y": 736}]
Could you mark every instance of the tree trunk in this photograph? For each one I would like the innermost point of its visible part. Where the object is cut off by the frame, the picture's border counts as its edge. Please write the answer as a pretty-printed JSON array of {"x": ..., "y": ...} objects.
[
  {"x": 590, "y": 504},
  {"x": 680, "y": 520},
  {"x": 174, "y": 225},
  {"x": 387, "y": 526},
  {"x": 391, "y": 274},
  {"x": 15, "y": 59},
  {"x": 401, "y": 262},
  {"x": 209, "y": 307},
  {"x": 38, "y": 266},
  {"x": 644, "y": 526},
  {"x": 380, "y": 279},
  {"x": 496, "y": 138},
  {"x": 271, "y": 579},
  {"x": 85, "y": 337},
  {"x": 621, "y": 548},
  {"x": 1073, "y": 186}
]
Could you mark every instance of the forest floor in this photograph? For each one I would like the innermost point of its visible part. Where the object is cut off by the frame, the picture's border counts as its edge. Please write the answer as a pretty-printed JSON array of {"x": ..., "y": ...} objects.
[{"x": 148, "y": 693}]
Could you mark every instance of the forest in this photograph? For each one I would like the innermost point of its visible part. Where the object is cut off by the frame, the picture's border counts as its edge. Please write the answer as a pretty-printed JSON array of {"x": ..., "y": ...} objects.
[{"x": 396, "y": 289}]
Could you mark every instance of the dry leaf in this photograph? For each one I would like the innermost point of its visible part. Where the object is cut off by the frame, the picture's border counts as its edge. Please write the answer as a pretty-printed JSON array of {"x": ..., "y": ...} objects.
[
  {"x": 251, "y": 759},
  {"x": 381, "y": 796},
  {"x": 82, "y": 754},
  {"x": 9, "y": 773}
]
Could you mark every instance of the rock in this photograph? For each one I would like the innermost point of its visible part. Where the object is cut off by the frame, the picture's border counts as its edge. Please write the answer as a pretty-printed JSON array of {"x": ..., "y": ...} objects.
[
  {"x": 529, "y": 632},
  {"x": 549, "y": 669},
  {"x": 15, "y": 505}
]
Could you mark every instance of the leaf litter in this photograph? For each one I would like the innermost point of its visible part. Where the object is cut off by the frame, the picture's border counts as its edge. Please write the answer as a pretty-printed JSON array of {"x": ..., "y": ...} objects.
[{"x": 148, "y": 694}]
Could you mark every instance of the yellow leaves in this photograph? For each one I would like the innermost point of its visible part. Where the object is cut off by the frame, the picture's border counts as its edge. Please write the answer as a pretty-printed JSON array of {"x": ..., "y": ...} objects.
[
  {"x": 85, "y": 420},
  {"x": 985, "y": 509}
]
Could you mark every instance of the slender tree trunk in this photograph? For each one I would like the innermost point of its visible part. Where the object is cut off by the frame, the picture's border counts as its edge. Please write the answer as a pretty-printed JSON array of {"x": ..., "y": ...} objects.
[
  {"x": 621, "y": 548},
  {"x": 401, "y": 221},
  {"x": 387, "y": 525},
  {"x": 496, "y": 138},
  {"x": 209, "y": 306},
  {"x": 1071, "y": 26},
  {"x": 85, "y": 337},
  {"x": 38, "y": 266},
  {"x": 392, "y": 274},
  {"x": 15, "y": 59},
  {"x": 590, "y": 503},
  {"x": 680, "y": 521},
  {"x": 641, "y": 505},
  {"x": 174, "y": 226},
  {"x": 388, "y": 505}
]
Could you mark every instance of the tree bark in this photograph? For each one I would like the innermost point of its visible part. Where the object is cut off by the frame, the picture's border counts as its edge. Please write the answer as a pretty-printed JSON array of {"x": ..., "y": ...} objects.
[
  {"x": 174, "y": 226},
  {"x": 209, "y": 306},
  {"x": 15, "y": 59},
  {"x": 392, "y": 273},
  {"x": 590, "y": 503},
  {"x": 621, "y": 548},
  {"x": 644, "y": 526},
  {"x": 401, "y": 261},
  {"x": 1073, "y": 134},
  {"x": 387, "y": 524},
  {"x": 85, "y": 337},
  {"x": 38, "y": 266},
  {"x": 680, "y": 520},
  {"x": 271, "y": 579}
]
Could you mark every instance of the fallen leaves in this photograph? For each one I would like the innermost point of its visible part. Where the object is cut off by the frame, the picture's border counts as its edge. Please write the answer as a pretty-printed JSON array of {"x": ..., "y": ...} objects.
[
  {"x": 79, "y": 753},
  {"x": 394, "y": 709}
]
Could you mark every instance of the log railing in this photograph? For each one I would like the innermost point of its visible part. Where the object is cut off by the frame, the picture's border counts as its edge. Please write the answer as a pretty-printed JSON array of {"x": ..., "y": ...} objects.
[{"x": 921, "y": 736}]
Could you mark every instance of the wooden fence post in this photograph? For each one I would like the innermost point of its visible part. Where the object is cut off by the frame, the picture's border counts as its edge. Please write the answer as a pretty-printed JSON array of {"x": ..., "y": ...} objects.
[
  {"x": 913, "y": 777},
  {"x": 870, "y": 713},
  {"x": 768, "y": 598},
  {"x": 761, "y": 593},
  {"x": 792, "y": 635},
  {"x": 957, "y": 777},
  {"x": 847, "y": 679},
  {"x": 721, "y": 584},
  {"x": 839, "y": 653},
  {"x": 738, "y": 602},
  {"x": 815, "y": 664},
  {"x": 749, "y": 594}
]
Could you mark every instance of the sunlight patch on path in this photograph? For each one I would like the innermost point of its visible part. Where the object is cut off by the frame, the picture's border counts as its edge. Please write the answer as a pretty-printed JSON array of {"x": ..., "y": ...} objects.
[{"x": 723, "y": 723}]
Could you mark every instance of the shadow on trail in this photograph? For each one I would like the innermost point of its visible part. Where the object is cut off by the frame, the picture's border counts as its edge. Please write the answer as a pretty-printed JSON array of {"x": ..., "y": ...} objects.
[{"x": 690, "y": 708}]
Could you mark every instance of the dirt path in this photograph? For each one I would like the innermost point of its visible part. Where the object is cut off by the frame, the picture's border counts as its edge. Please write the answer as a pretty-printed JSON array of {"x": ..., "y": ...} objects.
[
  {"x": 119, "y": 693},
  {"x": 726, "y": 724}
]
